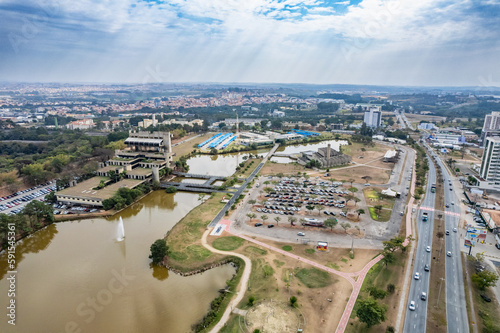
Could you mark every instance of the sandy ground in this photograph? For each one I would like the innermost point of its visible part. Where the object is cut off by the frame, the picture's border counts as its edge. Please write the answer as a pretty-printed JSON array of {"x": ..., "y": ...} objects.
[
  {"x": 273, "y": 317},
  {"x": 334, "y": 256}
]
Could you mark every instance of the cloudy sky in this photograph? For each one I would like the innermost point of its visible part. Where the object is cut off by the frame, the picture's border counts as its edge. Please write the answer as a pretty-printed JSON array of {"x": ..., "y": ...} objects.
[{"x": 393, "y": 42}]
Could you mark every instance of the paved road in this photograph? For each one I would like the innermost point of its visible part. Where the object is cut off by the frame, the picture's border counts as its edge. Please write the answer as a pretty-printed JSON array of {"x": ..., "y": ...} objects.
[
  {"x": 242, "y": 188},
  {"x": 415, "y": 321},
  {"x": 456, "y": 312}
]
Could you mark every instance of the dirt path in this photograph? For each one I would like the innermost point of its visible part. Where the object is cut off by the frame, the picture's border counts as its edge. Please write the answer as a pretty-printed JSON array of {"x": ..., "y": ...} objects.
[{"x": 243, "y": 282}]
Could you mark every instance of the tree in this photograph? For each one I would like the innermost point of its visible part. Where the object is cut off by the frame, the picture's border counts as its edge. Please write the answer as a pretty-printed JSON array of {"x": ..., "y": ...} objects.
[
  {"x": 171, "y": 189},
  {"x": 378, "y": 209},
  {"x": 360, "y": 211},
  {"x": 319, "y": 208},
  {"x": 277, "y": 219},
  {"x": 356, "y": 200},
  {"x": 159, "y": 250},
  {"x": 251, "y": 300},
  {"x": 394, "y": 244},
  {"x": 251, "y": 216},
  {"x": 485, "y": 279},
  {"x": 37, "y": 210},
  {"x": 264, "y": 218},
  {"x": 345, "y": 226},
  {"x": 310, "y": 207},
  {"x": 252, "y": 202},
  {"x": 293, "y": 301},
  {"x": 351, "y": 180},
  {"x": 292, "y": 220},
  {"x": 370, "y": 312},
  {"x": 388, "y": 258},
  {"x": 331, "y": 222}
]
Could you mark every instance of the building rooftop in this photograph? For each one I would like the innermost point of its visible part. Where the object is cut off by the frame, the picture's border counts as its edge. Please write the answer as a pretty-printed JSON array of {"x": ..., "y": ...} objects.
[
  {"x": 139, "y": 172},
  {"x": 85, "y": 189}
]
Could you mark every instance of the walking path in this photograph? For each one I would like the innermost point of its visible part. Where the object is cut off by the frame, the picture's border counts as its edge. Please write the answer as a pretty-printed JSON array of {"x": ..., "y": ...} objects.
[
  {"x": 355, "y": 278},
  {"x": 243, "y": 282}
]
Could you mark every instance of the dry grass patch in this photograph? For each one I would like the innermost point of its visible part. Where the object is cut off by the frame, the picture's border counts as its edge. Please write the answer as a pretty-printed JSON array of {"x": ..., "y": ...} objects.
[
  {"x": 184, "y": 240},
  {"x": 273, "y": 168},
  {"x": 187, "y": 147}
]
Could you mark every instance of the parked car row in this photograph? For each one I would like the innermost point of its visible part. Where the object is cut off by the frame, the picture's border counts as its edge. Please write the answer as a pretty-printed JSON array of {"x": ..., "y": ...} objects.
[{"x": 25, "y": 198}]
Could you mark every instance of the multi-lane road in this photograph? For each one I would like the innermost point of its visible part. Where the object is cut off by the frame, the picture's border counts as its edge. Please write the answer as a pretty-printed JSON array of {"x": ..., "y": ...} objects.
[
  {"x": 456, "y": 312},
  {"x": 416, "y": 319}
]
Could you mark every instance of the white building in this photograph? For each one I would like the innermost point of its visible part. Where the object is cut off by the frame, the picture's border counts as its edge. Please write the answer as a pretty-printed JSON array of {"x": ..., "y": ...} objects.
[
  {"x": 427, "y": 126},
  {"x": 278, "y": 114},
  {"x": 490, "y": 165},
  {"x": 373, "y": 117},
  {"x": 491, "y": 125}
]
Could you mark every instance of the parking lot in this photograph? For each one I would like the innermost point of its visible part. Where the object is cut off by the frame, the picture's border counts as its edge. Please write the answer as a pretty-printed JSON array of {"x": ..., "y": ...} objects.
[
  {"x": 14, "y": 203},
  {"x": 303, "y": 197}
]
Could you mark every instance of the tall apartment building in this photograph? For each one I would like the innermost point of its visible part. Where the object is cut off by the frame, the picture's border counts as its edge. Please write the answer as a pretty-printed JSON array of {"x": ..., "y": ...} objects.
[
  {"x": 373, "y": 117},
  {"x": 490, "y": 164},
  {"x": 491, "y": 126}
]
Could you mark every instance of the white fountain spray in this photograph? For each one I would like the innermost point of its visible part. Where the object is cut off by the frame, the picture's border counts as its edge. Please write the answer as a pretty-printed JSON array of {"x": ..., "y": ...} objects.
[{"x": 120, "y": 231}]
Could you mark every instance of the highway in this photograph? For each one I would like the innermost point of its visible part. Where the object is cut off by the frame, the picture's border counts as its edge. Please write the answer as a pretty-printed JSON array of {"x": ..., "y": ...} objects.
[
  {"x": 456, "y": 312},
  {"x": 415, "y": 321}
]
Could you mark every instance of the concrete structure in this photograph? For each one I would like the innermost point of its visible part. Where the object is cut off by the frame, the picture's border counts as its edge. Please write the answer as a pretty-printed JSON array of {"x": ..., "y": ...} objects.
[
  {"x": 427, "y": 126},
  {"x": 278, "y": 114},
  {"x": 391, "y": 156},
  {"x": 327, "y": 157},
  {"x": 490, "y": 165},
  {"x": 491, "y": 126},
  {"x": 373, "y": 117},
  {"x": 145, "y": 123},
  {"x": 146, "y": 155},
  {"x": 81, "y": 124}
]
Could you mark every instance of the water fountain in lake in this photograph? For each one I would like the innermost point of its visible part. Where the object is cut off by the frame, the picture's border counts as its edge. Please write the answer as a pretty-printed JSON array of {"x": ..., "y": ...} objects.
[{"x": 120, "y": 231}]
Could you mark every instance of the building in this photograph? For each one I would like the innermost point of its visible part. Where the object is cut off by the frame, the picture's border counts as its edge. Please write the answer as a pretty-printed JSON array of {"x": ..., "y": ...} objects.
[
  {"x": 427, "y": 126},
  {"x": 490, "y": 165},
  {"x": 146, "y": 154},
  {"x": 373, "y": 117},
  {"x": 491, "y": 126},
  {"x": 83, "y": 124},
  {"x": 391, "y": 156},
  {"x": 145, "y": 123},
  {"x": 157, "y": 102},
  {"x": 326, "y": 156},
  {"x": 279, "y": 114}
]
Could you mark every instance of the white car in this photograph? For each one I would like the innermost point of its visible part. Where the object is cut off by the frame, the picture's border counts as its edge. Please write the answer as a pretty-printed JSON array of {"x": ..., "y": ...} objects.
[
  {"x": 301, "y": 234},
  {"x": 448, "y": 253},
  {"x": 417, "y": 276},
  {"x": 412, "y": 306},
  {"x": 428, "y": 249}
]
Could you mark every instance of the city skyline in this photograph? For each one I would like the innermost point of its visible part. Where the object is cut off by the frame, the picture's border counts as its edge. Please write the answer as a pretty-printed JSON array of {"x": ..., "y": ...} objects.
[{"x": 429, "y": 43}]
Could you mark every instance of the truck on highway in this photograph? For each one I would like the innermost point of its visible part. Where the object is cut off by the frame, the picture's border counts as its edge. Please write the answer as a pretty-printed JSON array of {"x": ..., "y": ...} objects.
[{"x": 424, "y": 216}]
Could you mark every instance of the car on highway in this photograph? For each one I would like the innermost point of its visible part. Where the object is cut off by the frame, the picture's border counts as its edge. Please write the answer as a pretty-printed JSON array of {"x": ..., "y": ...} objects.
[
  {"x": 270, "y": 226},
  {"x": 497, "y": 246},
  {"x": 417, "y": 276},
  {"x": 427, "y": 268},
  {"x": 423, "y": 296},
  {"x": 454, "y": 229},
  {"x": 448, "y": 253},
  {"x": 301, "y": 234},
  {"x": 412, "y": 306},
  {"x": 428, "y": 249},
  {"x": 447, "y": 232},
  {"x": 258, "y": 224},
  {"x": 447, "y": 206}
]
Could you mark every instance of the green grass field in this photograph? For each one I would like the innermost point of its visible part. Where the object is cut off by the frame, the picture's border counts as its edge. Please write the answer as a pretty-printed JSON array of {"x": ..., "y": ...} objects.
[
  {"x": 313, "y": 277},
  {"x": 228, "y": 243}
]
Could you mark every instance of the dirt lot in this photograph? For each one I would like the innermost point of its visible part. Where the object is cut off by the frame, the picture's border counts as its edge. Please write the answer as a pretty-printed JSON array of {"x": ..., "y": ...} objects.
[
  {"x": 271, "y": 168},
  {"x": 273, "y": 277},
  {"x": 335, "y": 258},
  {"x": 187, "y": 147}
]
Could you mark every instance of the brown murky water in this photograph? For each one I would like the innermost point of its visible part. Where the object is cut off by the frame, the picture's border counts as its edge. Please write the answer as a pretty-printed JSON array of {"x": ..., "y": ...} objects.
[{"x": 74, "y": 276}]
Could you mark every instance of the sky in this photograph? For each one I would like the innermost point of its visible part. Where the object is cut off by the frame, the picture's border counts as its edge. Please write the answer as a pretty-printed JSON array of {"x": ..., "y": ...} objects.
[{"x": 392, "y": 42}]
